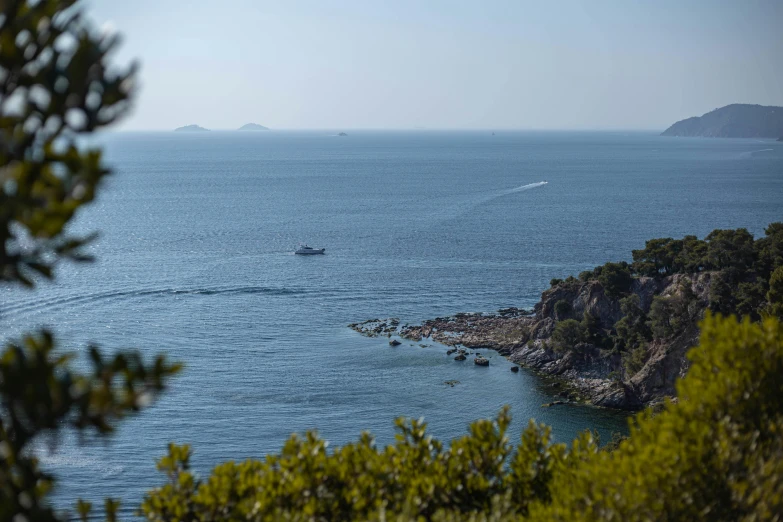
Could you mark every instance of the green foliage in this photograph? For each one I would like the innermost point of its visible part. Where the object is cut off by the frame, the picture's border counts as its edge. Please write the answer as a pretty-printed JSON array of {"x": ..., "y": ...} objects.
[
  {"x": 562, "y": 309},
  {"x": 634, "y": 360},
  {"x": 416, "y": 476},
  {"x": 592, "y": 330},
  {"x": 716, "y": 454},
  {"x": 55, "y": 85},
  {"x": 50, "y": 92},
  {"x": 730, "y": 249},
  {"x": 670, "y": 315},
  {"x": 567, "y": 335},
  {"x": 632, "y": 330},
  {"x": 615, "y": 278},
  {"x": 658, "y": 257},
  {"x": 750, "y": 298},
  {"x": 721, "y": 298},
  {"x": 775, "y": 293},
  {"x": 555, "y": 281}
]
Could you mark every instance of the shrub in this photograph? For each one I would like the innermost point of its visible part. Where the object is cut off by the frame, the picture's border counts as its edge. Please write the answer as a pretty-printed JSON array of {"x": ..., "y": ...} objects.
[
  {"x": 562, "y": 309},
  {"x": 632, "y": 329},
  {"x": 555, "y": 282},
  {"x": 567, "y": 334},
  {"x": 616, "y": 279}
]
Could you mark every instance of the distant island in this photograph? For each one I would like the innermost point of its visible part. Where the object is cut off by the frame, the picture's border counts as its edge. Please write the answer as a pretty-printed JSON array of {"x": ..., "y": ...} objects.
[
  {"x": 342, "y": 134},
  {"x": 190, "y": 128},
  {"x": 253, "y": 127},
  {"x": 733, "y": 121}
]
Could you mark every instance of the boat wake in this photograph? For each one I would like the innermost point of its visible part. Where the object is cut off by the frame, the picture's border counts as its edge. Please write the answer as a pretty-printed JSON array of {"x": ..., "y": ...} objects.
[
  {"x": 479, "y": 200},
  {"x": 752, "y": 152},
  {"x": 524, "y": 187},
  {"x": 38, "y": 305}
]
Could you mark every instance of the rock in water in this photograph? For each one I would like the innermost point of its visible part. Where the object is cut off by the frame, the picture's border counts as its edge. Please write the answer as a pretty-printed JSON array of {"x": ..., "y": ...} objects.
[
  {"x": 460, "y": 357},
  {"x": 481, "y": 361},
  {"x": 515, "y": 369},
  {"x": 394, "y": 342}
]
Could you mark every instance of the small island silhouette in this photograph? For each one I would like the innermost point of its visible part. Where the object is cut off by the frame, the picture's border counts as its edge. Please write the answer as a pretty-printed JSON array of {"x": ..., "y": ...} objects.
[
  {"x": 253, "y": 127},
  {"x": 342, "y": 134},
  {"x": 190, "y": 128}
]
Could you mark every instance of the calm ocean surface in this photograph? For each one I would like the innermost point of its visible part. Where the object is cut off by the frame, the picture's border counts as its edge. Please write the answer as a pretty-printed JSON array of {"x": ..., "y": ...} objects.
[{"x": 195, "y": 259}]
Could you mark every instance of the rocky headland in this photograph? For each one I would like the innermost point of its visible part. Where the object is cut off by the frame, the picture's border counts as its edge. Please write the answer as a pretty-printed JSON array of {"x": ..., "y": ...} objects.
[
  {"x": 590, "y": 373},
  {"x": 617, "y": 336},
  {"x": 738, "y": 120}
]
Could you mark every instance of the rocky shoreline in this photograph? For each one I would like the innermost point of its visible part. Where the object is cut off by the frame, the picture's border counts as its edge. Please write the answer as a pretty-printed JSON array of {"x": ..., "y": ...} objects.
[{"x": 587, "y": 373}]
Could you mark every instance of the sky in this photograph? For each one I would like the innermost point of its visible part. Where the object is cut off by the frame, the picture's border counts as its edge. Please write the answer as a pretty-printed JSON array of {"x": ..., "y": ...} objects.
[{"x": 444, "y": 64}]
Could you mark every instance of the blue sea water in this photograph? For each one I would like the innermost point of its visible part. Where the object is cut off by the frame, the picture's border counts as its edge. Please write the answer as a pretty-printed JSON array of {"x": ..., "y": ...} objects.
[{"x": 195, "y": 260}]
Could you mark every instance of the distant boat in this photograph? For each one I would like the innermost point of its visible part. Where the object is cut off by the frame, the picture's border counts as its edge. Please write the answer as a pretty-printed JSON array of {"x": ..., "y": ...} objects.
[{"x": 305, "y": 250}]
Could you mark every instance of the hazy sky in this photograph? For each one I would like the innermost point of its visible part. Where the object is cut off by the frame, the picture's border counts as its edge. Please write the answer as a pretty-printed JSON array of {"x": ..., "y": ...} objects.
[{"x": 445, "y": 64}]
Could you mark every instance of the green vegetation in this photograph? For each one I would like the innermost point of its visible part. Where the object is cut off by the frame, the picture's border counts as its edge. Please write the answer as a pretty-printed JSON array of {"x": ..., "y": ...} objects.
[
  {"x": 715, "y": 455},
  {"x": 743, "y": 277},
  {"x": 562, "y": 309},
  {"x": 55, "y": 85},
  {"x": 567, "y": 335}
]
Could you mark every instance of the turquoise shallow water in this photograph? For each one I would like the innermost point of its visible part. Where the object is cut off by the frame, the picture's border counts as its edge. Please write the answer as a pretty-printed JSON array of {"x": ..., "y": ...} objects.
[{"x": 195, "y": 259}]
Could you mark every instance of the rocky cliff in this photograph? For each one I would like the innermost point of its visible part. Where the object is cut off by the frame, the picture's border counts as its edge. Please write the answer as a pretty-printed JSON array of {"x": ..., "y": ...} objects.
[
  {"x": 733, "y": 121},
  {"x": 593, "y": 372},
  {"x": 598, "y": 373}
]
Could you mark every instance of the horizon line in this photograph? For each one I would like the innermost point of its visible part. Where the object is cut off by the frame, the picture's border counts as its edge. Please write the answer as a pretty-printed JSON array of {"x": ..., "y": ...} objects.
[{"x": 406, "y": 129}]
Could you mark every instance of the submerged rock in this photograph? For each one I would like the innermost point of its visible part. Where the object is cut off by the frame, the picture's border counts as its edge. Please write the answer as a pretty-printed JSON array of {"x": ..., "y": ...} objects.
[
  {"x": 394, "y": 342},
  {"x": 460, "y": 357},
  {"x": 515, "y": 369}
]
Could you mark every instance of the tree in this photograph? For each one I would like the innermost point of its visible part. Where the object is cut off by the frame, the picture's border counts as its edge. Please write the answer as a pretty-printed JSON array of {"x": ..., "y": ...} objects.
[
  {"x": 730, "y": 249},
  {"x": 616, "y": 279},
  {"x": 567, "y": 334},
  {"x": 55, "y": 85},
  {"x": 657, "y": 257},
  {"x": 670, "y": 315},
  {"x": 632, "y": 329},
  {"x": 775, "y": 293},
  {"x": 562, "y": 309}
]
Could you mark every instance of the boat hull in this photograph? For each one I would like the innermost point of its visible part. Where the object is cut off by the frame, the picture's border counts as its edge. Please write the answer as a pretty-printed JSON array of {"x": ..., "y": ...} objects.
[{"x": 313, "y": 252}]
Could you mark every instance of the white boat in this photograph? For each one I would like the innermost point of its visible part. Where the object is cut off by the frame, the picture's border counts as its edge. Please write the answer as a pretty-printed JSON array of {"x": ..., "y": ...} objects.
[{"x": 305, "y": 250}]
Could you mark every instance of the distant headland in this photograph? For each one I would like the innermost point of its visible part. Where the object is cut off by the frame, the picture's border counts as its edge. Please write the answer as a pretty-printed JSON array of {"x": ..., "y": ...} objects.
[
  {"x": 190, "y": 128},
  {"x": 733, "y": 121},
  {"x": 253, "y": 127}
]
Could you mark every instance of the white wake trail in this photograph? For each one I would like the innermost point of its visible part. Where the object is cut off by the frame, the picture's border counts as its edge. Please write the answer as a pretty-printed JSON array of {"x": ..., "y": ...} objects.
[{"x": 524, "y": 187}]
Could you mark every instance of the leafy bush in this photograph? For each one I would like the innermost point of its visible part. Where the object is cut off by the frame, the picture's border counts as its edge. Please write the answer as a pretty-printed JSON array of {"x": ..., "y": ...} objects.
[
  {"x": 562, "y": 309},
  {"x": 615, "y": 278},
  {"x": 567, "y": 335},
  {"x": 634, "y": 360},
  {"x": 555, "y": 282},
  {"x": 632, "y": 330},
  {"x": 775, "y": 293},
  {"x": 593, "y": 330},
  {"x": 672, "y": 314}
]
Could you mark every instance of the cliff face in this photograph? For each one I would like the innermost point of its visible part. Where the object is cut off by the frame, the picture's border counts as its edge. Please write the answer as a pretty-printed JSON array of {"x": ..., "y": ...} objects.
[
  {"x": 598, "y": 373},
  {"x": 592, "y": 372},
  {"x": 733, "y": 121}
]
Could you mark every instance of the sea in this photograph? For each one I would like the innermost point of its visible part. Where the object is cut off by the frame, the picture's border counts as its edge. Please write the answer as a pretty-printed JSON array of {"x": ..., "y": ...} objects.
[{"x": 195, "y": 260}]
